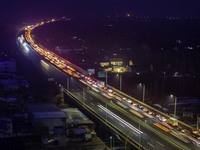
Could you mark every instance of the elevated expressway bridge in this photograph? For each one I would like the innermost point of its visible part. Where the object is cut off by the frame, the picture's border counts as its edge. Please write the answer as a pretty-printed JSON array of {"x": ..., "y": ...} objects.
[{"x": 135, "y": 122}]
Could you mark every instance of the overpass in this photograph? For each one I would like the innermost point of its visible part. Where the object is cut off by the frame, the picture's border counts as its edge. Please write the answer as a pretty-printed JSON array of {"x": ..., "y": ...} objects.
[{"x": 135, "y": 122}]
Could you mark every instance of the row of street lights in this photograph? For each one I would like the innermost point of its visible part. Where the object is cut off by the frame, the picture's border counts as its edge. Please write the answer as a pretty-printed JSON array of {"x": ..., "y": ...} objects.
[
  {"x": 143, "y": 96},
  {"x": 143, "y": 92},
  {"x": 120, "y": 84},
  {"x": 120, "y": 79},
  {"x": 175, "y": 104}
]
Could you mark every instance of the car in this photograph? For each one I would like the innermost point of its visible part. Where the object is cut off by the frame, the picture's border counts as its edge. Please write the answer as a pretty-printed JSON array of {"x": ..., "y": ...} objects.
[
  {"x": 109, "y": 90},
  {"x": 129, "y": 101},
  {"x": 181, "y": 129},
  {"x": 150, "y": 112},
  {"x": 135, "y": 104},
  {"x": 140, "y": 106},
  {"x": 104, "y": 87},
  {"x": 110, "y": 94},
  {"x": 118, "y": 98},
  {"x": 158, "y": 115},
  {"x": 124, "y": 98},
  {"x": 162, "y": 119},
  {"x": 144, "y": 109}
]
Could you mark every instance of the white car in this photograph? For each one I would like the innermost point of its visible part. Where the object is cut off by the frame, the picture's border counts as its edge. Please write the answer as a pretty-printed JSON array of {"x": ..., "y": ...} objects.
[
  {"x": 109, "y": 90},
  {"x": 162, "y": 118},
  {"x": 150, "y": 112},
  {"x": 145, "y": 109},
  {"x": 129, "y": 101}
]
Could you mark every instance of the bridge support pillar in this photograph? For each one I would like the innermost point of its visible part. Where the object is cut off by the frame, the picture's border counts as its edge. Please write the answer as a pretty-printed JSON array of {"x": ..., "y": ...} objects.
[{"x": 68, "y": 83}]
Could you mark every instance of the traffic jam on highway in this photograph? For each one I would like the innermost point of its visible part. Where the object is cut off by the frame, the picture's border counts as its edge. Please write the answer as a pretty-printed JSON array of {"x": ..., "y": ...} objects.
[{"x": 163, "y": 122}]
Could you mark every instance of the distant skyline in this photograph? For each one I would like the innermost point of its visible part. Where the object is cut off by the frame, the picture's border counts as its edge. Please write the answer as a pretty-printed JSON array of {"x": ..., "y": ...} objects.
[{"x": 13, "y": 9}]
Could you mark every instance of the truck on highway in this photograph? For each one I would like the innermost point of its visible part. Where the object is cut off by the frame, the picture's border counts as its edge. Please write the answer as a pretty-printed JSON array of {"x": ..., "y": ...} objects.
[
  {"x": 195, "y": 133},
  {"x": 172, "y": 121}
]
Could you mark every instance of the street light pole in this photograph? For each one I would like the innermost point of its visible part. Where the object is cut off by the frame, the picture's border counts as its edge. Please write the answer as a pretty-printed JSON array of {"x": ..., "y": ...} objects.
[
  {"x": 143, "y": 91},
  {"x": 111, "y": 142},
  {"x": 120, "y": 82},
  {"x": 139, "y": 134},
  {"x": 175, "y": 103},
  {"x": 83, "y": 94},
  {"x": 197, "y": 123},
  {"x": 106, "y": 77},
  {"x": 68, "y": 83},
  {"x": 106, "y": 113}
]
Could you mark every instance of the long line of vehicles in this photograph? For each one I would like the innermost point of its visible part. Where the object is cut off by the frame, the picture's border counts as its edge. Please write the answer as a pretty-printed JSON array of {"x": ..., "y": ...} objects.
[{"x": 166, "y": 124}]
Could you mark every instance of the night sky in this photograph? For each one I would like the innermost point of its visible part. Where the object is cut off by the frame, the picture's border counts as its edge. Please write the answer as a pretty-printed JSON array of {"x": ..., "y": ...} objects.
[{"x": 13, "y": 9}]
